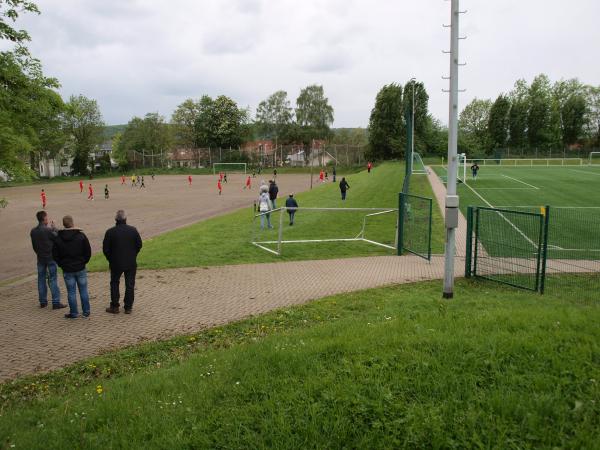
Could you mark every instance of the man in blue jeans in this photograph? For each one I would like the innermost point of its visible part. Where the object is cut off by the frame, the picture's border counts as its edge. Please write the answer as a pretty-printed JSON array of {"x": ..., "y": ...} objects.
[
  {"x": 72, "y": 252},
  {"x": 42, "y": 240}
]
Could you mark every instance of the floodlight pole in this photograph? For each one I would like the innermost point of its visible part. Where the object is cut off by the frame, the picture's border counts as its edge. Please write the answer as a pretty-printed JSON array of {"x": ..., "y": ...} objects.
[
  {"x": 451, "y": 196},
  {"x": 412, "y": 135}
]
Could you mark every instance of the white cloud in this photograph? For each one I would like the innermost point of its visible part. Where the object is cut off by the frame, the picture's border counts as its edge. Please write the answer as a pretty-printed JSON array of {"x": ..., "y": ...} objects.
[{"x": 140, "y": 56}]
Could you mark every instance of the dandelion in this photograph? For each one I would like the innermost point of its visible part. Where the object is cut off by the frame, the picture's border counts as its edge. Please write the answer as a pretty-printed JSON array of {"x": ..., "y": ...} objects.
[{"x": 99, "y": 389}]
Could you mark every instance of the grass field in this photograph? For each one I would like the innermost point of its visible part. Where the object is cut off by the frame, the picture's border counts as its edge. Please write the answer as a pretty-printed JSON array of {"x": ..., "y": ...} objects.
[
  {"x": 227, "y": 239},
  {"x": 395, "y": 367}
]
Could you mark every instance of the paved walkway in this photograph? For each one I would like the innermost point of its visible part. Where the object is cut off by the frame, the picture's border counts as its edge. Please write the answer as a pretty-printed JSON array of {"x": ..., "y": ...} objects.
[{"x": 176, "y": 301}]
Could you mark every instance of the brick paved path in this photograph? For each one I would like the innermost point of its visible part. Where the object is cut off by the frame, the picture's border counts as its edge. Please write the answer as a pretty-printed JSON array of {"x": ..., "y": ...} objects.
[{"x": 176, "y": 301}]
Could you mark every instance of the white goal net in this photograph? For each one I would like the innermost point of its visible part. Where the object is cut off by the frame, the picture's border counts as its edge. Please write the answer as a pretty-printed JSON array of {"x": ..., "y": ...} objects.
[
  {"x": 324, "y": 229},
  {"x": 594, "y": 159}
]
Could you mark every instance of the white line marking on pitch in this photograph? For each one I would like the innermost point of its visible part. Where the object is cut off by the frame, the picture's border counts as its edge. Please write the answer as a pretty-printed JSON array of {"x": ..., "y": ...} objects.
[
  {"x": 522, "y": 182},
  {"x": 587, "y": 173},
  {"x": 502, "y": 215}
]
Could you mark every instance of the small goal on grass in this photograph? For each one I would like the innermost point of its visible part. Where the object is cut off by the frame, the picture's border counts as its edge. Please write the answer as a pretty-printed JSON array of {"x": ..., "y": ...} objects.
[
  {"x": 373, "y": 226},
  {"x": 229, "y": 167},
  {"x": 594, "y": 159}
]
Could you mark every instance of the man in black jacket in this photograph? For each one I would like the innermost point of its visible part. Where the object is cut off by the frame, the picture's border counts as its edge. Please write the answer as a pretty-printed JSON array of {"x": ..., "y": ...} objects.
[
  {"x": 42, "y": 240},
  {"x": 72, "y": 252},
  {"x": 273, "y": 191},
  {"x": 292, "y": 205},
  {"x": 121, "y": 245}
]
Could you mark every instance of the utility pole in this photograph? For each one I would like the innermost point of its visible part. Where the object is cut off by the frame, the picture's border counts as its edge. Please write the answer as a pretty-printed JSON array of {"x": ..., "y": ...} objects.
[
  {"x": 412, "y": 134},
  {"x": 451, "y": 195}
]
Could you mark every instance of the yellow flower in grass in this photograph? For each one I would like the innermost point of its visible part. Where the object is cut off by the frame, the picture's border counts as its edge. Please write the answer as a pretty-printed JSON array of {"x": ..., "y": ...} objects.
[{"x": 99, "y": 389}]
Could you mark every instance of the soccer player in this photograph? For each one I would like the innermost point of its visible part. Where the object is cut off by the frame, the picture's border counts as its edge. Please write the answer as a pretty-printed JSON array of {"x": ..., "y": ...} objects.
[
  {"x": 219, "y": 186},
  {"x": 122, "y": 180},
  {"x": 248, "y": 183},
  {"x": 369, "y": 167},
  {"x": 190, "y": 180},
  {"x": 90, "y": 192},
  {"x": 274, "y": 174},
  {"x": 474, "y": 170},
  {"x": 152, "y": 175},
  {"x": 143, "y": 185},
  {"x": 225, "y": 177},
  {"x": 43, "y": 195},
  {"x": 106, "y": 194},
  {"x": 80, "y": 186},
  {"x": 321, "y": 176},
  {"x": 132, "y": 180}
]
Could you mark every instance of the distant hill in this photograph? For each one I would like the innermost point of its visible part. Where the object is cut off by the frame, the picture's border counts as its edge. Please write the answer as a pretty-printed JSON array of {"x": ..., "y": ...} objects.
[{"x": 111, "y": 130}]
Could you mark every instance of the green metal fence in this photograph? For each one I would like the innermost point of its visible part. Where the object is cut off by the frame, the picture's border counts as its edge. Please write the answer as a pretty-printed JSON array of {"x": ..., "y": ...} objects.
[
  {"x": 414, "y": 227},
  {"x": 535, "y": 248}
]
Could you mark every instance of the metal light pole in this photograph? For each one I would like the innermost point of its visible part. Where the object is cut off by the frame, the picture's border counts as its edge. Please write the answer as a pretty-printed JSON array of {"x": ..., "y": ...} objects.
[
  {"x": 412, "y": 138},
  {"x": 451, "y": 197}
]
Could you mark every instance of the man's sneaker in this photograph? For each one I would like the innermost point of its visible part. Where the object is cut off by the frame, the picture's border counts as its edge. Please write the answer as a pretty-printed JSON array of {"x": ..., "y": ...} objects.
[
  {"x": 43, "y": 305},
  {"x": 112, "y": 310},
  {"x": 86, "y": 314},
  {"x": 71, "y": 316},
  {"x": 127, "y": 311},
  {"x": 59, "y": 306}
]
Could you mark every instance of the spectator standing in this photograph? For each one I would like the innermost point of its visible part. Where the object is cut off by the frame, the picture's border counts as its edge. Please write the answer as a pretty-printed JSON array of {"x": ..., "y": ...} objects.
[
  {"x": 264, "y": 206},
  {"x": 72, "y": 252},
  {"x": 42, "y": 240},
  {"x": 273, "y": 191},
  {"x": 121, "y": 245},
  {"x": 291, "y": 205},
  {"x": 344, "y": 186}
]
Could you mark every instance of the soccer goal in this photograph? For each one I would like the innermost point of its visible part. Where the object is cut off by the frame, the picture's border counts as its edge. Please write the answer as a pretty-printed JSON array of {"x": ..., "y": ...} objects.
[
  {"x": 418, "y": 166},
  {"x": 317, "y": 226},
  {"x": 594, "y": 159},
  {"x": 229, "y": 167},
  {"x": 461, "y": 175}
]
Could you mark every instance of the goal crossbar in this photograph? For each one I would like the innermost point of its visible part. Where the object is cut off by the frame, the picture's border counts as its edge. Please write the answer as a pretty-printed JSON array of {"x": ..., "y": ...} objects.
[
  {"x": 360, "y": 237},
  {"x": 527, "y": 162},
  {"x": 241, "y": 166}
]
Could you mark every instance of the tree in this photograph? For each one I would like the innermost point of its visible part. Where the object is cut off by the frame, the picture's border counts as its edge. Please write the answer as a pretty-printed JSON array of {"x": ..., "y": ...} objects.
[
  {"x": 473, "y": 126},
  {"x": 83, "y": 123},
  {"x": 10, "y": 10},
  {"x": 539, "y": 117},
  {"x": 386, "y": 124},
  {"x": 592, "y": 115},
  {"x": 274, "y": 116},
  {"x": 148, "y": 136},
  {"x": 435, "y": 137},
  {"x": 220, "y": 123},
  {"x": 313, "y": 112},
  {"x": 499, "y": 122},
  {"x": 570, "y": 104},
  {"x": 184, "y": 121}
]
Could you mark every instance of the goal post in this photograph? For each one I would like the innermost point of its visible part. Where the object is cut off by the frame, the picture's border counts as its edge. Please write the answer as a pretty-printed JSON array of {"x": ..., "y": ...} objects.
[
  {"x": 594, "y": 159},
  {"x": 229, "y": 167},
  {"x": 418, "y": 166},
  {"x": 317, "y": 226}
]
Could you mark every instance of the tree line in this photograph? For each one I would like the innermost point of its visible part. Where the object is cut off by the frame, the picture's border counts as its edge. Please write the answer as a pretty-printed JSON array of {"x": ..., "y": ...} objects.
[{"x": 536, "y": 117}]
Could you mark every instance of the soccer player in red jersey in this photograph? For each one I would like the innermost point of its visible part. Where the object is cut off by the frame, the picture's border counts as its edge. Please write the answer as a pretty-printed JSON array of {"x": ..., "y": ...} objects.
[
  {"x": 122, "y": 179},
  {"x": 219, "y": 186},
  {"x": 90, "y": 192},
  {"x": 190, "y": 180},
  {"x": 248, "y": 183},
  {"x": 43, "y": 195},
  {"x": 80, "y": 186}
]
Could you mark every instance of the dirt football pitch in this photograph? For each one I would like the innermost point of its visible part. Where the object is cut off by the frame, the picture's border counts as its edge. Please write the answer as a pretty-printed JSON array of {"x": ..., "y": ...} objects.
[{"x": 167, "y": 202}]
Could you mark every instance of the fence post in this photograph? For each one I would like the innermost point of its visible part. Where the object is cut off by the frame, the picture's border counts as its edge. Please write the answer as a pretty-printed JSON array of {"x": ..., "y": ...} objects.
[
  {"x": 476, "y": 220},
  {"x": 469, "y": 242},
  {"x": 400, "y": 223},
  {"x": 545, "y": 249}
]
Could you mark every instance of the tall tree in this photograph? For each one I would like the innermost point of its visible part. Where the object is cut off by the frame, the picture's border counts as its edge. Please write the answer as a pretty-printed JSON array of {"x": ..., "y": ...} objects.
[
  {"x": 274, "y": 116},
  {"x": 386, "y": 124},
  {"x": 499, "y": 121},
  {"x": 150, "y": 136},
  {"x": 592, "y": 115},
  {"x": 539, "y": 118},
  {"x": 421, "y": 99},
  {"x": 83, "y": 123},
  {"x": 473, "y": 126},
  {"x": 184, "y": 122},
  {"x": 220, "y": 123},
  {"x": 314, "y": 113}
]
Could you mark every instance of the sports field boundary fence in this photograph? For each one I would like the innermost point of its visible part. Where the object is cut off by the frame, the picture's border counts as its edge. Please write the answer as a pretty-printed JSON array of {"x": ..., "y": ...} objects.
[
  {"x": 415, "y": 225},
  {"x": 535, "y": 248}
]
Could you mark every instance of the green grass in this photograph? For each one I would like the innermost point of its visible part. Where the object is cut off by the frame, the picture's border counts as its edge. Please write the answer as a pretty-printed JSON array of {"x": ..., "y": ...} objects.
[
  {"x": 227, "y": 239},
  {"x": 394, "y": 367}
]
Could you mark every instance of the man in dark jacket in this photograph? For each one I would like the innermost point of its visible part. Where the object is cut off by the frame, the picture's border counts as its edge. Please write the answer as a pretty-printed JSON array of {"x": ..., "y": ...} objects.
[
  {"x": 273, "y": 191},
  {"x": 121, "y": 245},
  {"x": 292, "y": 205},
  {"x": 344, "y": 186},
  {"x": 42, "y": 240},
  {"x": 72, "y": 252}
]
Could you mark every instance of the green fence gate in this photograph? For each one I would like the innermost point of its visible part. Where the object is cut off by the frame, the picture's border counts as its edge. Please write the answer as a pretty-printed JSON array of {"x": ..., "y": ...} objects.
[{"x": 414, "y": 225}]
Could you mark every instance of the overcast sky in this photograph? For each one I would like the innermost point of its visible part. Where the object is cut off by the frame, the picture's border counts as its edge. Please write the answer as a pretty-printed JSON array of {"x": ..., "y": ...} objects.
[{"x": 136, "y": 57}]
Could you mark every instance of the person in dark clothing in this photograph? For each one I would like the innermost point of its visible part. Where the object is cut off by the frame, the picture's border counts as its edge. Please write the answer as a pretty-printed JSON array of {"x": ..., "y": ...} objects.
[
  {"x": 42, "y": 240},
  {"x": 106, "y": 193},
  {"x": 334, "y": 174},
  {"x": 72, "y": 252},
  {"x": 292, "y": 205},
  {"x": 344, "y": 186},
  {"x": 273, "y": 191},
  {"x": 121, "y": 245}
]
